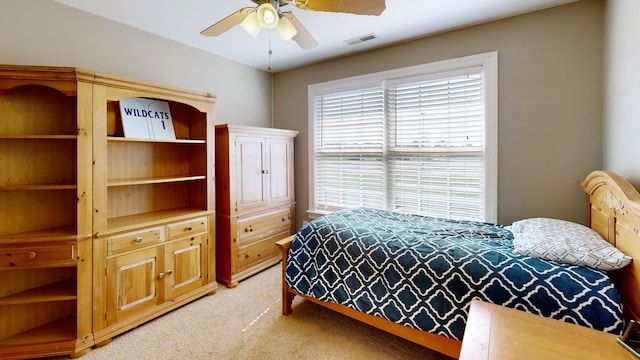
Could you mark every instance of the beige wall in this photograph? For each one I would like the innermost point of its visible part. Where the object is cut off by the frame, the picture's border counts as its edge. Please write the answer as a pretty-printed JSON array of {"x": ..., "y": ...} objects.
[
  {"x": 550, "y": 102},
  {"x": 39, "y": 32},
  {"x": 622, "y": 89}
]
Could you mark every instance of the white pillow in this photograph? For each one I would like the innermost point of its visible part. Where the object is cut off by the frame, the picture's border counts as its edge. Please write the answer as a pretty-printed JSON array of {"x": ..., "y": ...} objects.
[{"x": 566, "y": 242}]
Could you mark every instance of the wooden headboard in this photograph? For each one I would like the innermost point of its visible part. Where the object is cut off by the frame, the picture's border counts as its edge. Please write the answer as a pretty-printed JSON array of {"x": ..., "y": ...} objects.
[{"x": 613, "y": 210}]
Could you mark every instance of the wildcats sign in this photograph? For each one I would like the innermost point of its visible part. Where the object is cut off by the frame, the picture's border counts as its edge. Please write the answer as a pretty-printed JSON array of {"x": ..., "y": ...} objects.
[{"x": 146, "y": 119}]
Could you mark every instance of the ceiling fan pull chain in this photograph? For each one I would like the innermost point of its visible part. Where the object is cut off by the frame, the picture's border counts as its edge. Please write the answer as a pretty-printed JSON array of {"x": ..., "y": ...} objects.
[{"x": 270, "y": 52}]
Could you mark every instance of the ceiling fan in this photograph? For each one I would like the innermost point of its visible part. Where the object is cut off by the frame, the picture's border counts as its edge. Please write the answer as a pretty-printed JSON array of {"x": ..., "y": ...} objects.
[{"x": 268, "y": 15}]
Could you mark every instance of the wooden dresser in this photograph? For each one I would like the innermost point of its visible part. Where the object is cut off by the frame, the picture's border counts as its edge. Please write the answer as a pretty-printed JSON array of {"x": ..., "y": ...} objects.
[{"x": 255, "y": 203}]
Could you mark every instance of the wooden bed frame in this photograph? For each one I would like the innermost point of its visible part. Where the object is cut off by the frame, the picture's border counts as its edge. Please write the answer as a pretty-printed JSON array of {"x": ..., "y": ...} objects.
[{"x": 613, "y": 210}]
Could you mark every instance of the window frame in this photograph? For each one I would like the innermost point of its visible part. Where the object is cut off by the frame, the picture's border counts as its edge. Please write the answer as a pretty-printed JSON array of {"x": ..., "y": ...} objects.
[{"x": 489, "y": 64}]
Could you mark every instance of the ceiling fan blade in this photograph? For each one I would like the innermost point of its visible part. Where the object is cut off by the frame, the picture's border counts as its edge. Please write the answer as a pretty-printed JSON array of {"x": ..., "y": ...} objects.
[
  {"x": 303, "y": 37},
  {"x": 228, "y": 22},
  {"x": 359, "y": 7}
]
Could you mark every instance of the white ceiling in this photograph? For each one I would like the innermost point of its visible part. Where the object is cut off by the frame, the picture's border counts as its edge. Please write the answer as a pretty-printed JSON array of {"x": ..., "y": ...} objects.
[{"x": 182, "y": 21}]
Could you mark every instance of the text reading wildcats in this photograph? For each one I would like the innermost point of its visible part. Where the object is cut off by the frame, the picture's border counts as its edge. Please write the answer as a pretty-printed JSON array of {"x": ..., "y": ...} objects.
[{"x": 146, "y": 113}]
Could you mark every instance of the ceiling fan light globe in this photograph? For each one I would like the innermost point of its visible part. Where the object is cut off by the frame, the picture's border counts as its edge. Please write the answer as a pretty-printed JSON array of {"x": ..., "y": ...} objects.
[
  {"x": 251, "y": 24},
  {"x": 285, "y": 29},
  {"x": 267, "y": 16}
]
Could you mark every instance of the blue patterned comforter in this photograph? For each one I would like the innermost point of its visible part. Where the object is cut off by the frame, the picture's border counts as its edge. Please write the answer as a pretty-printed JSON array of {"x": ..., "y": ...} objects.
[{"x": 423, "y": 272}]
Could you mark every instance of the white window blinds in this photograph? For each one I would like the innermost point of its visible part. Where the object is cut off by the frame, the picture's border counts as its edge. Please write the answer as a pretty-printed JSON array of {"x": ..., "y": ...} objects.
[
  {"x": 422, "y": 141},
  {"x": 436, "y": 143},
  {"x": 349, "y": 151}
]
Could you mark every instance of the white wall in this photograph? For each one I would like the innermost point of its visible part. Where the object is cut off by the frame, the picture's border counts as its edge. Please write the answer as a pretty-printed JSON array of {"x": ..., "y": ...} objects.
[
  {"x": 44, "y": 32},
  {"x": 622, "y": 89},
  {"x": 550, "y": 102}
]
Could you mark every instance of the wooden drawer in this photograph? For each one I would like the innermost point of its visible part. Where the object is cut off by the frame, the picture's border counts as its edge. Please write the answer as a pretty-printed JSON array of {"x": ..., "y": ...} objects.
[
  {"x": 259, "y": 251},
  {"x": 256, "y": 228},
  {"x": 187, "y": 228},
  {"x": 33, "y": 256},
  {"x": 134, "y": 240}
]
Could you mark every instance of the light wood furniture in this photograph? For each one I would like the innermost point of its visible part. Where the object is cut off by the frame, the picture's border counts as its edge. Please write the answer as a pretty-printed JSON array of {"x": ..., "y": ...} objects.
[
  {"x": 154, "y": 208},
  {"x": 499, "y": 333},
  {"x": 613, "y": 210},
  {"x": 45, "y": 212},
  {"x": 98, "y": 233},
  {"x": 255, "y": 198}
]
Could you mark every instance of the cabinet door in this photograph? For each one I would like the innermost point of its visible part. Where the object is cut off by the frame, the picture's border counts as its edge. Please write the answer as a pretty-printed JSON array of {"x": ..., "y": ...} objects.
[
  {"x": 183, "y": 265},
  {"x": 132, "y": 283},
  {"x": 250, "y": 171},
  {"x": 280, "y": 170}
]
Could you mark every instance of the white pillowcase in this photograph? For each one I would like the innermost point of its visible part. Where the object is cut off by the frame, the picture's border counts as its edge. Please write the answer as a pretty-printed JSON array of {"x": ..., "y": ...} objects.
[{"x": 566, "y": 242}]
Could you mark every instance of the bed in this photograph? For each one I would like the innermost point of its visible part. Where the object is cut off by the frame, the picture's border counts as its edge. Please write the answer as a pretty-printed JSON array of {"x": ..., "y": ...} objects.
[{"x": 415, "y": 276}]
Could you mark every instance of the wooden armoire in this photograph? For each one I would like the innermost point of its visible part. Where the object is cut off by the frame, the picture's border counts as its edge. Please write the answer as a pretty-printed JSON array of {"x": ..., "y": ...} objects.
[{"x": 255, "y": 202}]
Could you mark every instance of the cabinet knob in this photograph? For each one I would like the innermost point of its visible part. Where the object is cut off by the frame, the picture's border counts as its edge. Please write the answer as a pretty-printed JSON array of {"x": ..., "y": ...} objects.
[
  {"x": 169, "y": 272},
  {"x": 32, "y": 255},
  {"x": 265, "y": 171},
  {"x": 138, "y": 240},
  {"x": 189, "y": 228},
  {"x": 161, "y": 276}
]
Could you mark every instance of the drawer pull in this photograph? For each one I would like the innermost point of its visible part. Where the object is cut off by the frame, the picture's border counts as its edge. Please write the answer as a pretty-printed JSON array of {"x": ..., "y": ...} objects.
[
  {"x": 248, "y": 229},
  {"x": 189, "y": 228},
  {"x": 161, "y": 275},
  {"x": 169, "y": 272},
  {"x": 138, "y": 240},
  {"x": 32, "y": 255}
]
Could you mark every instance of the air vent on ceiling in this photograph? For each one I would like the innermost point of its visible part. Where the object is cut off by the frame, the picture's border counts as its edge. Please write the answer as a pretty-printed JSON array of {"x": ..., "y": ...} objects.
[{"x": 361, "y": 39}]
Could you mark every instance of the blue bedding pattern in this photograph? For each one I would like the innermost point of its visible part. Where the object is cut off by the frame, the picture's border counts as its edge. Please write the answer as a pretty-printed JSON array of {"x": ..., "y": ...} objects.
[{"x": 423, "y": 272}]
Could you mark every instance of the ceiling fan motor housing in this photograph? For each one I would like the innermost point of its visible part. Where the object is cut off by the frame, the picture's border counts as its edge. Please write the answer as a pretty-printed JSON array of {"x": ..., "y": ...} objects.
[{"x": 277, "y": 4}]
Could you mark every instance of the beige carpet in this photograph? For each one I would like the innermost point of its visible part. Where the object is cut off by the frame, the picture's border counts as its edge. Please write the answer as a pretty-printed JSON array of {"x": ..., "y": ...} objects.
[{"x": 246, "y": 323}]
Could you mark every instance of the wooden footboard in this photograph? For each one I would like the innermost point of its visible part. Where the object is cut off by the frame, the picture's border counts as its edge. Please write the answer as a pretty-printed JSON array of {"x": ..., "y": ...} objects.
[{"x": 435, "y": 342}]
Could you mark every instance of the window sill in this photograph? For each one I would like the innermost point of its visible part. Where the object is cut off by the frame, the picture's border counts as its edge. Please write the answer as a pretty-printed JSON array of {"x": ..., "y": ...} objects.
[{"x": 314, "y": 214}]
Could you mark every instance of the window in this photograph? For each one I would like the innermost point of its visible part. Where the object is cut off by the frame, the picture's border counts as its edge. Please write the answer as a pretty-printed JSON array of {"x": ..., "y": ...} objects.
[{"x": 421, "y": 139}]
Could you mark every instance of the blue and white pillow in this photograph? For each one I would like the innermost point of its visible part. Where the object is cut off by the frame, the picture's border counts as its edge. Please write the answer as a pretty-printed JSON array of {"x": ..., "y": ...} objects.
[{"x": 566, "y": 242}]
